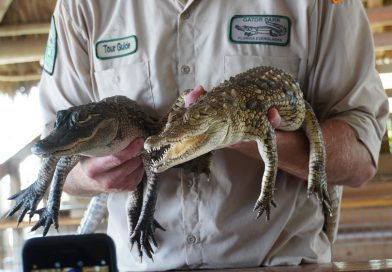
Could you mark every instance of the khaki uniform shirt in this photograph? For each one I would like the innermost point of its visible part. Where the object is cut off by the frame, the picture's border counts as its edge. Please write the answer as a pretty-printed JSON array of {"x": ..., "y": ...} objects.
[{"x": 151, "y": 50}]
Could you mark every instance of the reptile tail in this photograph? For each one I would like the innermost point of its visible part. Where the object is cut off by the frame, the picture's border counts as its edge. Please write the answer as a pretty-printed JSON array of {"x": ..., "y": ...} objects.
[
  {"x": 94, "y": 214},
  {"x": 331, "y": 222}
]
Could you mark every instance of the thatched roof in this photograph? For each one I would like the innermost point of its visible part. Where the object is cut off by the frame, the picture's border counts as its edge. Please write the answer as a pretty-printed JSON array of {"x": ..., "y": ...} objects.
[{"x": 24, "y": 25}]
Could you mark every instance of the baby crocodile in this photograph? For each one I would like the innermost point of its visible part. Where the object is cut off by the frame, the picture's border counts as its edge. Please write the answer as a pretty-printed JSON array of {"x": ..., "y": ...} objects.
[
  {"x": 94, "y": 129},
  {"x": 235, "y": 111}
]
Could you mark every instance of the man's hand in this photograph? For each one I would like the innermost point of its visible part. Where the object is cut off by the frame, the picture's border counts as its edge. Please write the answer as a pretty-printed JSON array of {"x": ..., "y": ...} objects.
[
  {"x": 122, "y": 171},
  {"x": 192, "y": 96}
]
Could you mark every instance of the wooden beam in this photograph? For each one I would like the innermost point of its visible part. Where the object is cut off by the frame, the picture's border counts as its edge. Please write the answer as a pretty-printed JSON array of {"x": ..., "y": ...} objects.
[
  {"x": 384, "y": 68},
  {"x": 373, "y": 194},
  {"x": 26, "y": 29},
  {"x": 63, "y": 221},
  {"x": 374, "y": 3},
  {"x": 380, "y": 15},
  {"x": 365, "y": 203},
  {"x": 4, "y": 5},
  {"x": 16, "y": 159},
  {"x": 19, "y": 78},
  {"x": 371, "y": 189},
  {"x": 385, "y": 164},
  {"x": 383, "y": 41},
  {"x": 22, "y": 50}
]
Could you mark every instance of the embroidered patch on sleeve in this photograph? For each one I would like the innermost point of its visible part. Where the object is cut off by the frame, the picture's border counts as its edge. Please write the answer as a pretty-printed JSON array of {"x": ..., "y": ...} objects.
[
  {"x": 262, "y": 29},
  {"x": 51, "y": 49},
  {"x": 115, "y": 48}
]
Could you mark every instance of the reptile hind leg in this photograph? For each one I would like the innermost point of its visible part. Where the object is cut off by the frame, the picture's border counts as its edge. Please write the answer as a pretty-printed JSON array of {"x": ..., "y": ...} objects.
[
  {"x": 268, "y": 152},
  {"x": 49, "y": 214},
  {"x": 317, "y": 179},
  {"x": 28, "y": 199}
]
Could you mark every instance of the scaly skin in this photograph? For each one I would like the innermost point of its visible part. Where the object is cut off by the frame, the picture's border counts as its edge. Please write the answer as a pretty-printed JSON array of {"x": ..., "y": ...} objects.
[
  {"x": 94, "y": 129},
  {"x": 235, "y": 111},
  {"x": 95, "y": 213}
]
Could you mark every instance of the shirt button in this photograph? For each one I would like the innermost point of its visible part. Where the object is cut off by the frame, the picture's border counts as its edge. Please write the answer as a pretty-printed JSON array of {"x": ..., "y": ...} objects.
[
  {"x": 186, "y": 14},
  {"x": 185, "y": 69},
  {"x": 191, "y": 239}
]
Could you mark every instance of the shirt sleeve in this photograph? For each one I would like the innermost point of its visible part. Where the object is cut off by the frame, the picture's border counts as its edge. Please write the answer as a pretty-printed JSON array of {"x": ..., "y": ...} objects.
[
  {"x": 343, "y": 81},
  {"x": 68, "y": 82}
]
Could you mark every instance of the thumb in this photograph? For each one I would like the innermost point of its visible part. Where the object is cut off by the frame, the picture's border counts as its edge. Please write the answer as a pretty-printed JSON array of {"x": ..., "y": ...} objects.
[
  {"x": 274, "y": 117},
  {"x": 193, "y": 95}
]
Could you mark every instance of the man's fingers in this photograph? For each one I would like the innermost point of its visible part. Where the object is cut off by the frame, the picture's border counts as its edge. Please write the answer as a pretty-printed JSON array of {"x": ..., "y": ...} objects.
[
  {"x": 132, "y": 181},
  {"x": 94, "y": 167},
  {"x": 123, "y": 177},
  {"x": 274, "y": 117},
  {"x": 192, "y": 96},
  {"x": 131, "y": 150}
]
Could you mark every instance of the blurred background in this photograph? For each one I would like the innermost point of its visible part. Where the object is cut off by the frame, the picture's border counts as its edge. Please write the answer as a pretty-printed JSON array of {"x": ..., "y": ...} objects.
[{"x": 365, "y": 230}]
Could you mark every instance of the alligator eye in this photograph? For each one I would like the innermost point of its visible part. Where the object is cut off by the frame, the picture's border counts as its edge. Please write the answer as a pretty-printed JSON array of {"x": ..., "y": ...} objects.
[
  {"x": 83, "y": 117},
  {"x": 79, "y": 117}
]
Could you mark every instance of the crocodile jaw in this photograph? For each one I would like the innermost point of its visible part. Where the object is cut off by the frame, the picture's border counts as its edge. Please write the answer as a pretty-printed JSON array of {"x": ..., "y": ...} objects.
[{"x": 182, "y": 150}]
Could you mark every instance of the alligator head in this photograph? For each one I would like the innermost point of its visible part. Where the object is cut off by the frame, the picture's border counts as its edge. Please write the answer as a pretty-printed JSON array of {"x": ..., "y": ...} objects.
[
  {"x": 190, "y": 133},
  {"x": 90, "y": 128}
]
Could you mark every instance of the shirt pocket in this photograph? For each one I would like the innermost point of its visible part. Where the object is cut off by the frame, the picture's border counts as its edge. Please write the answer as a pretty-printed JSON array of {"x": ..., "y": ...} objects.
[
  {"x": 236, "y": 64},
  {"x": 131, "y": 80}
]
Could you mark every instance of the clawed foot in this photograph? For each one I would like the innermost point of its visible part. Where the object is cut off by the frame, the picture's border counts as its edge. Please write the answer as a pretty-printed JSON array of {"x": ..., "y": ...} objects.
[
  {"x": 143, "y": 236},
  {"x": 263, "y": 204},
  {"x": 317, "y": 186},
  {"x": 47, "y": 217},
  {"x": 26, "y": 201}
]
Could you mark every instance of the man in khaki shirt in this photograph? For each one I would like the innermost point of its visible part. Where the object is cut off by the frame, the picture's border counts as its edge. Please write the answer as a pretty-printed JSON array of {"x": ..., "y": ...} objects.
[{"x": 151, "y": 50}]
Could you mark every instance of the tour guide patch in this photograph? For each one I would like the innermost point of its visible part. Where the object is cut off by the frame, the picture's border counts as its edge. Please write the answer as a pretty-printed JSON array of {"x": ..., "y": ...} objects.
[
  {"x": 115, "y": 48},
  {"x": 263, "y": 29},
  {"x": 51, "y": 49}
]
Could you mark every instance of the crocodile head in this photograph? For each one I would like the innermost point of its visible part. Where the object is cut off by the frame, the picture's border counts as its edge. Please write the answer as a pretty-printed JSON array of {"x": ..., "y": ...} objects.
[
  {"x": 190, "y": 133},
  {"x": 87, "y": 129}
]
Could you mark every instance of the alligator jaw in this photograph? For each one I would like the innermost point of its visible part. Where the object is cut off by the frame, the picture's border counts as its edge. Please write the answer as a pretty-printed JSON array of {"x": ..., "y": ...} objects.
[
  {"x": 58, "y": 144},
  {"x": 40, "y": 149}
]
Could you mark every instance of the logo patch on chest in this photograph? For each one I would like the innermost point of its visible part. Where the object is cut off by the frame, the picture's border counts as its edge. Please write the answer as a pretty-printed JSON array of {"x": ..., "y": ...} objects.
[
  {"x": 51, "y": 49},
  {"x": 262, "y": 29},
  {"x": 116, "y": 48}
]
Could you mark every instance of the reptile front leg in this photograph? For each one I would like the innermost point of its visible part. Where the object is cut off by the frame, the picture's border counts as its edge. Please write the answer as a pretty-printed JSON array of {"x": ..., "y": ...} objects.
[
  {"x": 28, "y": 199},
  {"x": 268, "y": 152},
  {"x": 49, "y": 214},
  {"x": 143, "y": 233},
  {"x": 134, "y": 208}
]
